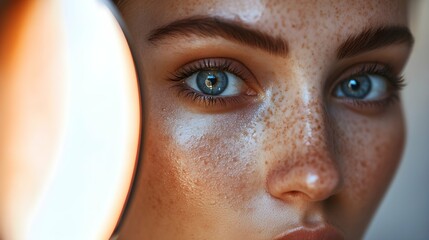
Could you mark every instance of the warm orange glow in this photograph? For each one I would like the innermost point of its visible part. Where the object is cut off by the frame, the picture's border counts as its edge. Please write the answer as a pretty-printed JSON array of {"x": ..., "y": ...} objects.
[
  {"x": 38, "y": 91},
  {"x": 31, "y": 108}
]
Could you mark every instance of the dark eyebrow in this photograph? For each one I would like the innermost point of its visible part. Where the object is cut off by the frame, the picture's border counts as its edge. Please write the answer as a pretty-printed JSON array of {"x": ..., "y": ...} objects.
[
  {"x": 216, "y": 27},
  {"x": 373, "y": 38}
]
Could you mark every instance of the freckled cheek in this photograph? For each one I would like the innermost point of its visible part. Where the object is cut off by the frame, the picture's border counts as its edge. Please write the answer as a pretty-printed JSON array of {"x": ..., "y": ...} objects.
[
  {"x": 384, "y": 155},
  {"x": 210, "y": 160},
  {"x": 372, "y": 149},
  {"x": 217, "y": 161}
]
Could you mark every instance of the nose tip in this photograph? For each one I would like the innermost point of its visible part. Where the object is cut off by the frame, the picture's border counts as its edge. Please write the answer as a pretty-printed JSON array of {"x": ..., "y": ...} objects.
[{"x": 312, "y": 183}]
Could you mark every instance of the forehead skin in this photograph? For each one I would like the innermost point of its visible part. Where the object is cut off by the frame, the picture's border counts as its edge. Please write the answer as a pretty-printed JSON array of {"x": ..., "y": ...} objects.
[
  {"x": 205, "y": 176},
  {"x": 288, "y": 19}
]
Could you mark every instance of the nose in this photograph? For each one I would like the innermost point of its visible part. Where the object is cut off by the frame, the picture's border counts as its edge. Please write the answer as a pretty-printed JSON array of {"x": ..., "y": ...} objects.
[{"x": 306, "y": 165}]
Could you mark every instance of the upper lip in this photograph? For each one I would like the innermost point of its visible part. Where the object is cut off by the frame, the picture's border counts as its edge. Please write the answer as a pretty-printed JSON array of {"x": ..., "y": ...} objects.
[{"x": 324, "y": 232}]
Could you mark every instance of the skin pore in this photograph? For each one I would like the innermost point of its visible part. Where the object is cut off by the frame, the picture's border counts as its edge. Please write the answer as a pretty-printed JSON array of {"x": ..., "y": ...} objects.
[{"x": 290, "y": 143}]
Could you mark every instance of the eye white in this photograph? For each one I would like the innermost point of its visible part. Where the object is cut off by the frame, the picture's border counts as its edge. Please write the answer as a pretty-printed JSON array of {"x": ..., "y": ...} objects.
[{"x": 379, "y": 87}]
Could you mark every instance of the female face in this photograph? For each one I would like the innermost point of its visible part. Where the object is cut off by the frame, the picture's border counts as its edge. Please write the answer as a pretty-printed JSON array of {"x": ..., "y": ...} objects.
[{"x": 266, "y": 119}]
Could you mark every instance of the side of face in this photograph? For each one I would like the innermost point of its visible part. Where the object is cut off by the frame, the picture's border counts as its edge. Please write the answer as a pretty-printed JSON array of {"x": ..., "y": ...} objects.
[{"x": 305, "y": 134}]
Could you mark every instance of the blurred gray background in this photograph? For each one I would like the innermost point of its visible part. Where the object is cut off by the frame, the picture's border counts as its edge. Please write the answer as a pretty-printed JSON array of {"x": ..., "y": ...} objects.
[{"x": 404, "y": 214}]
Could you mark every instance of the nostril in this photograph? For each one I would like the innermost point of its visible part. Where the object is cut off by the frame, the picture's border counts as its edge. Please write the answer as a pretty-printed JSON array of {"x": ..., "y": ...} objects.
[{"x": 294, "y": 193}]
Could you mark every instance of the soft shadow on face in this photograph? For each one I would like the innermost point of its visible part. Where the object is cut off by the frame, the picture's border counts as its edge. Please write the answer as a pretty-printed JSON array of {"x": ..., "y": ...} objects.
[{"x": 302, "y": 138}]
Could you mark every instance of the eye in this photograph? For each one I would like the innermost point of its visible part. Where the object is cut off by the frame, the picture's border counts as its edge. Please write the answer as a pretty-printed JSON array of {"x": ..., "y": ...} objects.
[
  {"x": 216, "y": 83},
  {"x": 367, "y": 87}
]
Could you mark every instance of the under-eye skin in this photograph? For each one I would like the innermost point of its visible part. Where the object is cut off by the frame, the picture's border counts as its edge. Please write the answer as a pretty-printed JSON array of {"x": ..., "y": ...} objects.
[
  {"x": 214, "y": 82},
  {"x": 369, "y": 86}
]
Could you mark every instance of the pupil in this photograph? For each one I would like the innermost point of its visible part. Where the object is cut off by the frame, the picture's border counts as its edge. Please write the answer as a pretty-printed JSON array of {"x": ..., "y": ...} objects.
[
  {"x": 211, "y": 81},
  {"x": 354, "y": 85}
]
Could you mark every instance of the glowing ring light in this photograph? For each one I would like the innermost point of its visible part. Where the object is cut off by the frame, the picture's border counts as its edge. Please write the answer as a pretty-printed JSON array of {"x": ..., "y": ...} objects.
[{"x": 70, "y": 120}]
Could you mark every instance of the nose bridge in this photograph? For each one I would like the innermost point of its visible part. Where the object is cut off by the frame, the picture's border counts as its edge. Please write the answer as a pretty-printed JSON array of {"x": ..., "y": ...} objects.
[
  {"x": 314, "y": 130},
  {"x": 308, "y": 121},
  {"x": 307, "y": 164}
]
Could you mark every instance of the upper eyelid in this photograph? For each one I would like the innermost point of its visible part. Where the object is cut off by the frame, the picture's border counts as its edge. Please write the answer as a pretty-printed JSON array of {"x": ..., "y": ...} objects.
[
  {"x": 225, "y": 64},
  {"x": 361, "y": 68}
]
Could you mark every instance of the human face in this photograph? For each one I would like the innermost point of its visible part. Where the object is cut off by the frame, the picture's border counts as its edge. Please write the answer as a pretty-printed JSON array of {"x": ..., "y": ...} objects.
[{"x": 303, "y": 141}]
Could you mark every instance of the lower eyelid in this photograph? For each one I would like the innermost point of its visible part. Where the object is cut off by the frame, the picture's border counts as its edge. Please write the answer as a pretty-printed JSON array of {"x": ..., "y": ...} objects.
[
  {"x": 376, "y": 105},
  {"x": 212, "y": 103}
]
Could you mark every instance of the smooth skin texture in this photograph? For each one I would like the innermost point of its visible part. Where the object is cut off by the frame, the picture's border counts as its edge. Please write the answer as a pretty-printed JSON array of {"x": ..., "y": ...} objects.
[{"x": 287, "y": 150}]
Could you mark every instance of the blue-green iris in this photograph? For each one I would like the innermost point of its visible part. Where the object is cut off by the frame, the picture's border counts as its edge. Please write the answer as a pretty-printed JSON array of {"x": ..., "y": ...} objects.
[
  {"x": 357, "y": 87},
  {"x": 212, "y": 82}
]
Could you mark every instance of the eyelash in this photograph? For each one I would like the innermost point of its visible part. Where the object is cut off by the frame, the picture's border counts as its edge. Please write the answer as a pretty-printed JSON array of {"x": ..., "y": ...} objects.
[
  {"x": 219, "y": 64},
  {"x": 206, "y": 64},
  {"x": 397, "y": 83}
]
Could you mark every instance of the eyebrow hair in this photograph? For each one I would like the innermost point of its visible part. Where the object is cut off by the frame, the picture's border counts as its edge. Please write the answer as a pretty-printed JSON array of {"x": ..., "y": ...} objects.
[
  {"x": 216, "y": 27},
  {"x": 374, "y": 38}
]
